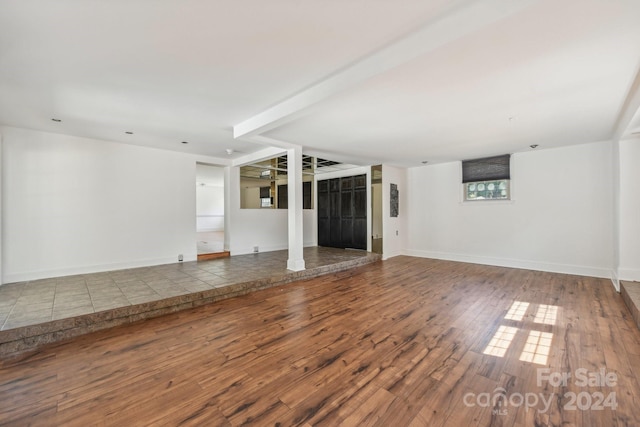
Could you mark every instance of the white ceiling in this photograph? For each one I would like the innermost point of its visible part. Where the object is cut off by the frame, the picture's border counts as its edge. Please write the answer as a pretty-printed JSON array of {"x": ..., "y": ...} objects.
[{"x": 365, "y": 81}]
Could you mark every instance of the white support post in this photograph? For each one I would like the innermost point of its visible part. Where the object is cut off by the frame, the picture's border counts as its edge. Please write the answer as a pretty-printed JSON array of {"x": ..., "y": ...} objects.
[
  {"x": 1, "y": 241},
  {"x": 294, "y": 166},
  {"x": 231, "y": 192}
]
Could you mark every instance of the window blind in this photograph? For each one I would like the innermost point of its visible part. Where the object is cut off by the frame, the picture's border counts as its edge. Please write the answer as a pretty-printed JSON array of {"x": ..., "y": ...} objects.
[{"x": 486, "y": 169}]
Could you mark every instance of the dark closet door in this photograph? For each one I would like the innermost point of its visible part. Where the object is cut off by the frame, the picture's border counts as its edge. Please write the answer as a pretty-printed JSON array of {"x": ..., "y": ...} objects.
[
  {"x": 324, "y": 239},
  {"x": 342, "y": 212},
  {"x": 335, "y": 237},
  {"x": 346, "y": 212}
]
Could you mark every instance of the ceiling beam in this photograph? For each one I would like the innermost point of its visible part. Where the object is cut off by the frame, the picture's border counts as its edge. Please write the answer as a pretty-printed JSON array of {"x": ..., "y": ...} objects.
[
  {"x": 258, "y": 156},
  {"x": 467, "y": 17},
  {"x": 270, "y": 142}
]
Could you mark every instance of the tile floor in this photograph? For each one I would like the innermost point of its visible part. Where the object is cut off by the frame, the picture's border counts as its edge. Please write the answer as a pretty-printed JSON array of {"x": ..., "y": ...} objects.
[{"x": 39, "y": 301}]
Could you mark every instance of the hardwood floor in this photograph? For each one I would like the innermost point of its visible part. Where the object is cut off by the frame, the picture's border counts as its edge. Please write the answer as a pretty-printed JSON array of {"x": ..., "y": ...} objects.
[
  {"x": 215, "y": 255},
  {"x": 401, "y": 342}
]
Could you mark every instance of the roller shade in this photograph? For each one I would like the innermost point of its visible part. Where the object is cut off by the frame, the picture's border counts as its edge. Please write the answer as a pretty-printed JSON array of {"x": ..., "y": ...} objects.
[{"x": 487, "y": 169}]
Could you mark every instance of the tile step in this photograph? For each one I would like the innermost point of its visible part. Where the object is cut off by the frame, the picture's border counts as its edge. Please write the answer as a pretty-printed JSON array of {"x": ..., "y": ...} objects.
[{"x": 17, "y": 341}]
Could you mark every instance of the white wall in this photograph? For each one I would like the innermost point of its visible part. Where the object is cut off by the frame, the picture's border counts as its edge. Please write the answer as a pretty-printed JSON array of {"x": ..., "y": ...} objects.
[
  {"x": 265, "y": 228},
  {"x": 629, "y": 221},
  {"x": 73, "y": 205},
  {"x": 1, "y": 214},
  {"x": 394, "y": 229},
  {"x": 76, "y": 205},
  {"x": 560, "y": 219}
]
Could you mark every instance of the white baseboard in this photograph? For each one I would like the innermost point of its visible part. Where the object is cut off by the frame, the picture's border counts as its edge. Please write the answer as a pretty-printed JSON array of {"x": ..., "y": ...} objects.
[
  {"x": 88, "y": 269},
  {"x": 391, "y": 255},
  {"x": 579, "y": 270},
  {"x": 629, "y": 274},
  {"x": 269, "y": 248}
]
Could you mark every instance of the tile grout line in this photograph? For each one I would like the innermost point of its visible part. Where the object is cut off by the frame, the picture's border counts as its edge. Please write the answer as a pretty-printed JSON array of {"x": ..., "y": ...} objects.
[{"x": 22, "y": 288}]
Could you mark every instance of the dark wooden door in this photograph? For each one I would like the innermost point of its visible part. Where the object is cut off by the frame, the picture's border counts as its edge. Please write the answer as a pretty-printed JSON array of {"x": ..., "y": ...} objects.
[
  {"x": 342, "y": 212},
  {"x": 324, "y": 238}
]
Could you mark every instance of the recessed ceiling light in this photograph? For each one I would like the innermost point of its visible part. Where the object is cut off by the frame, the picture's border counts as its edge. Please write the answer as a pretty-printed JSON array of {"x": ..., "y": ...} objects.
[
  {"x": 534, "y": 146},
  {"x": 229, "y": 151},
  {"x": 185, "y": 142},
  {"x": 56, "y": 120},
  {"x": 424, "y": 162},
  {"x": 129, "y": 133}
]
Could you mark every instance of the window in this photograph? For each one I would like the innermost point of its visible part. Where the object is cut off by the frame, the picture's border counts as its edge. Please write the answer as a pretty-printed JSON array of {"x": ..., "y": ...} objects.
[
  {"x": 265, "y": 202},
  {"x": 487, "y": 190},
  {"x": 487, "y": 178},
  {"x": 265, "y": 197}
]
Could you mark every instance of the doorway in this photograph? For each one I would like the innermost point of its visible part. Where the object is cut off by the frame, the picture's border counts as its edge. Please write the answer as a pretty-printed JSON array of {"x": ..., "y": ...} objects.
[
  {"x": 210, "y": 211},
  {"x": 376, "y": 209}
]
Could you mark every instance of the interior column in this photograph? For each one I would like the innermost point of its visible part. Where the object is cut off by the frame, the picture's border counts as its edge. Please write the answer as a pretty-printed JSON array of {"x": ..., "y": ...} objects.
[{"x": 294, "y": 172}]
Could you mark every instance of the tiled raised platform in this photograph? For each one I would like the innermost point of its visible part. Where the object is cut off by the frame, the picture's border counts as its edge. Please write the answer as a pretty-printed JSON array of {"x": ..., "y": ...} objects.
[
  {"x": 630, "y": 292},
  {"x": 46, "y": 311}
]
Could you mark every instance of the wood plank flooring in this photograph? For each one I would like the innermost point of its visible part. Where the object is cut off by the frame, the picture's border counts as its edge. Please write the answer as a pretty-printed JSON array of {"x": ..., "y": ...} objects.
[
  {"x": 402, "y": 342},
  {"x": 214, "y": 255}
]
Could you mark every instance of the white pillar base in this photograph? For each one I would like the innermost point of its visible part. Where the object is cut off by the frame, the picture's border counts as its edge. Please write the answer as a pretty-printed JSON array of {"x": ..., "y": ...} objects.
[{"x": 295, "y": 264}]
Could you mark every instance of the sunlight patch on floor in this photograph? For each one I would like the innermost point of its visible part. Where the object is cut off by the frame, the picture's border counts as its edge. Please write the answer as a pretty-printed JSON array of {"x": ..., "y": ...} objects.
[
  {"x": 546, "y": 314},
  {"x": 537, "y": 348},
  {"x": 517, "y": 311},
  {"x": 501, "y": 341}
]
